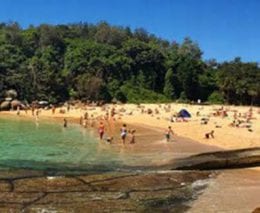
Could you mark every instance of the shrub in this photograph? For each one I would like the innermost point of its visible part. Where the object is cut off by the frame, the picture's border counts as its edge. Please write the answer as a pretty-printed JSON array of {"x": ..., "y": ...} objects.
[{"x": 216, "y": 98}]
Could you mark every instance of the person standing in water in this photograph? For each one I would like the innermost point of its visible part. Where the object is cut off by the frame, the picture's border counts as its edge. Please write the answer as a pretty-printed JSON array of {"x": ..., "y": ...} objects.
[
  {"x": 101, "y": 130},
  {"x": 168, "y": 133},
  {"x": 123, "y": 133},
  {"x": 132, "y": 136},
  {"x": 65, "y": 123}
]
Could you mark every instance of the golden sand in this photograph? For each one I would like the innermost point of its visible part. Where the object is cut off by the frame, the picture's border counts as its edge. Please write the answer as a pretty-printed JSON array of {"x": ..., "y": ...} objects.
[{"x": 225, "y": 136}]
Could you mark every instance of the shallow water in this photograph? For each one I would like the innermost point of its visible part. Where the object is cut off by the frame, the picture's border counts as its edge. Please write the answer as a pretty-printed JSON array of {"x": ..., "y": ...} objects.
[{"x": 47, "y": 145}]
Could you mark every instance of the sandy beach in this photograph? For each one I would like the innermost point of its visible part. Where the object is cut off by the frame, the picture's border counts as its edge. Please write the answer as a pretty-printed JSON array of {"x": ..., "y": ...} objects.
[
  {"x": 151, "y": 122},
  {"x": 159, "y": 116}
]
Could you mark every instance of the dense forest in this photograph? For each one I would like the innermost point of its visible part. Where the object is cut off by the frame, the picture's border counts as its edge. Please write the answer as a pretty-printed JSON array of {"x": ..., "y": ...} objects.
[{"x": 103, "y": 62}]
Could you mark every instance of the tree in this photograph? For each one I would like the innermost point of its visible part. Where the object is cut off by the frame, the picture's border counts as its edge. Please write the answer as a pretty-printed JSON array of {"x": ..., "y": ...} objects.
[{"x": 168, "y": 86}]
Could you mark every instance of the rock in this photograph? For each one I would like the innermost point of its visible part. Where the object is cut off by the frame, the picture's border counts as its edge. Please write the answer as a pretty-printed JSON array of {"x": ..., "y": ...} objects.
[
  {"x": 15, "y": 104},
  {"x": 257, "y": 210},
  {"x": 219, "y": 160},
  {"x": 11, "y": 93},
  {"x": 6, "y": 105}
]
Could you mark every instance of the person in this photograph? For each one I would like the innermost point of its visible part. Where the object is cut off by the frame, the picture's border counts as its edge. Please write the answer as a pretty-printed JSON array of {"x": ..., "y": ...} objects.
[
  {"x": 86, "y": 116},
  {"x": 18, "y": 110},
  {"x": 53, "y": 109},
  {"x": 132, "y": 136},
  {"x": 33, "y": 109},
  {"x": 112, "y": 112},
  {"x": 81, "y": 121},
  {"x": 109, "y": 139},
  {"x": 168, "y": 133},
  {"x": 65, "y": 123},
  {"x": 101, "y": 130},
  {"x": 37, "y": 113},
  {"x": 209, "y": 134},
  {"x": 123, "y": 133}
]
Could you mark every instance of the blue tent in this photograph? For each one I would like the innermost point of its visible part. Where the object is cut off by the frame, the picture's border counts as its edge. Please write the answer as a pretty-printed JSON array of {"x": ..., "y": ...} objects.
[{"x": 184, "y": 114}]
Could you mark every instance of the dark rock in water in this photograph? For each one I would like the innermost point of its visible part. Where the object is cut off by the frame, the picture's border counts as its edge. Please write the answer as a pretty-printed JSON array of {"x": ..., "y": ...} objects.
[
  {"x": 220, "y": 160},
  {"x": 6, "y": 105}
]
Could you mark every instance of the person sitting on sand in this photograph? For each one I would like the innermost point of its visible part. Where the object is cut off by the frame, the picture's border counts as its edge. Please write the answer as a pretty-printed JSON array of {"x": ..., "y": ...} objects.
[
  {"x": 209, "y": 134},
  {"x": 204, "y": 121},
  {"x": 109, "y": 139},
  {"x": 132, "y": 136},
  {"x": 168, "y": 133},
  {"x": 123, "y": 133}
]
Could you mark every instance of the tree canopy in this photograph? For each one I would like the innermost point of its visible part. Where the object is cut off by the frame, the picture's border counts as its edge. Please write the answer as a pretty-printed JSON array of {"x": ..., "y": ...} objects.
[{"x": 104, "y": 62}]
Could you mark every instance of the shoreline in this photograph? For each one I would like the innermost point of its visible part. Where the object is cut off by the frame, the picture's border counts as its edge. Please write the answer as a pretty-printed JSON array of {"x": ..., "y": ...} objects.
[
  {"x": 156, "y": 134},
  {"x": 225, "y": 137},
  {"x": 246, "y": 180}
]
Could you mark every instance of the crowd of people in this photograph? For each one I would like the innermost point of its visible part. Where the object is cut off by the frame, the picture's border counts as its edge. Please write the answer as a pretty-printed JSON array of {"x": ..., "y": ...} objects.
[{"x": 104, "y": 122}]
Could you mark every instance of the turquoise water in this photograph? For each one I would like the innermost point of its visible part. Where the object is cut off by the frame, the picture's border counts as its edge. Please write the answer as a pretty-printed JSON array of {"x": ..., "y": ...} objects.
[{"x": 48, "y": 146}]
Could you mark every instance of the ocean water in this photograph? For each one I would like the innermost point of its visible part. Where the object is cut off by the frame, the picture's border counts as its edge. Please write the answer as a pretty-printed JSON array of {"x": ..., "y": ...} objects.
[{"x": 47, "y": 145}]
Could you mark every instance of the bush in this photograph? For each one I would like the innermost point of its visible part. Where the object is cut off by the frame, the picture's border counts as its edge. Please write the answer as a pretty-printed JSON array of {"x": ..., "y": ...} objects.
[
  {"x": 141, "y": 95},
  {"x": 216, "y": 98}
]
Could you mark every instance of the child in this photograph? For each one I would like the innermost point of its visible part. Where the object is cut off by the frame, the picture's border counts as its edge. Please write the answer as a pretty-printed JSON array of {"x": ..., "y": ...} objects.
[
  {"x": 168, "y": 133},
  {"x": 132, "y": 136}
]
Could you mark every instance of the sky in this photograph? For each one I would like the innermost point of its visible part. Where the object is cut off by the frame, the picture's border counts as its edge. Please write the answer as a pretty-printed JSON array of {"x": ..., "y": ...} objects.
[{"x": 224, "y": 29}]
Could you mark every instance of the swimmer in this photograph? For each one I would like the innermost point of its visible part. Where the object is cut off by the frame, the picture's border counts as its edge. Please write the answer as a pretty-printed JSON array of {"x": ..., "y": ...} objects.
[{"x": 65, "y": 123}]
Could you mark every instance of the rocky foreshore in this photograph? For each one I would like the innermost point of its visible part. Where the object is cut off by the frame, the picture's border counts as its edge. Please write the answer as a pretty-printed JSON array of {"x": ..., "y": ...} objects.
[
  {"x": 149, "y": 190},
  {"x": 31, "y": 191}
]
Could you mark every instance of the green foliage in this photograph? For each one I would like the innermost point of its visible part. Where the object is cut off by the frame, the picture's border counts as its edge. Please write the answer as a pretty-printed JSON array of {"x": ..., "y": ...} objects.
[
  {"x": 168, "y": 89},
  {"x": 216, "y": 98},
  {"x": 92, "y": 88},
  {"x": 183, "y": 97},
  {"x": 104, "y": 62},
  {"x": 135, "y": 94}
]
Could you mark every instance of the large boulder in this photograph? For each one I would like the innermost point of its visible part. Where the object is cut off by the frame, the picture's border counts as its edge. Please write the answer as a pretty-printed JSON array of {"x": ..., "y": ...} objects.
[
  {"x": 16, "y": 103},
  {"x": 6, "y": 105},
  {"x": 11, "y": 93}
]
